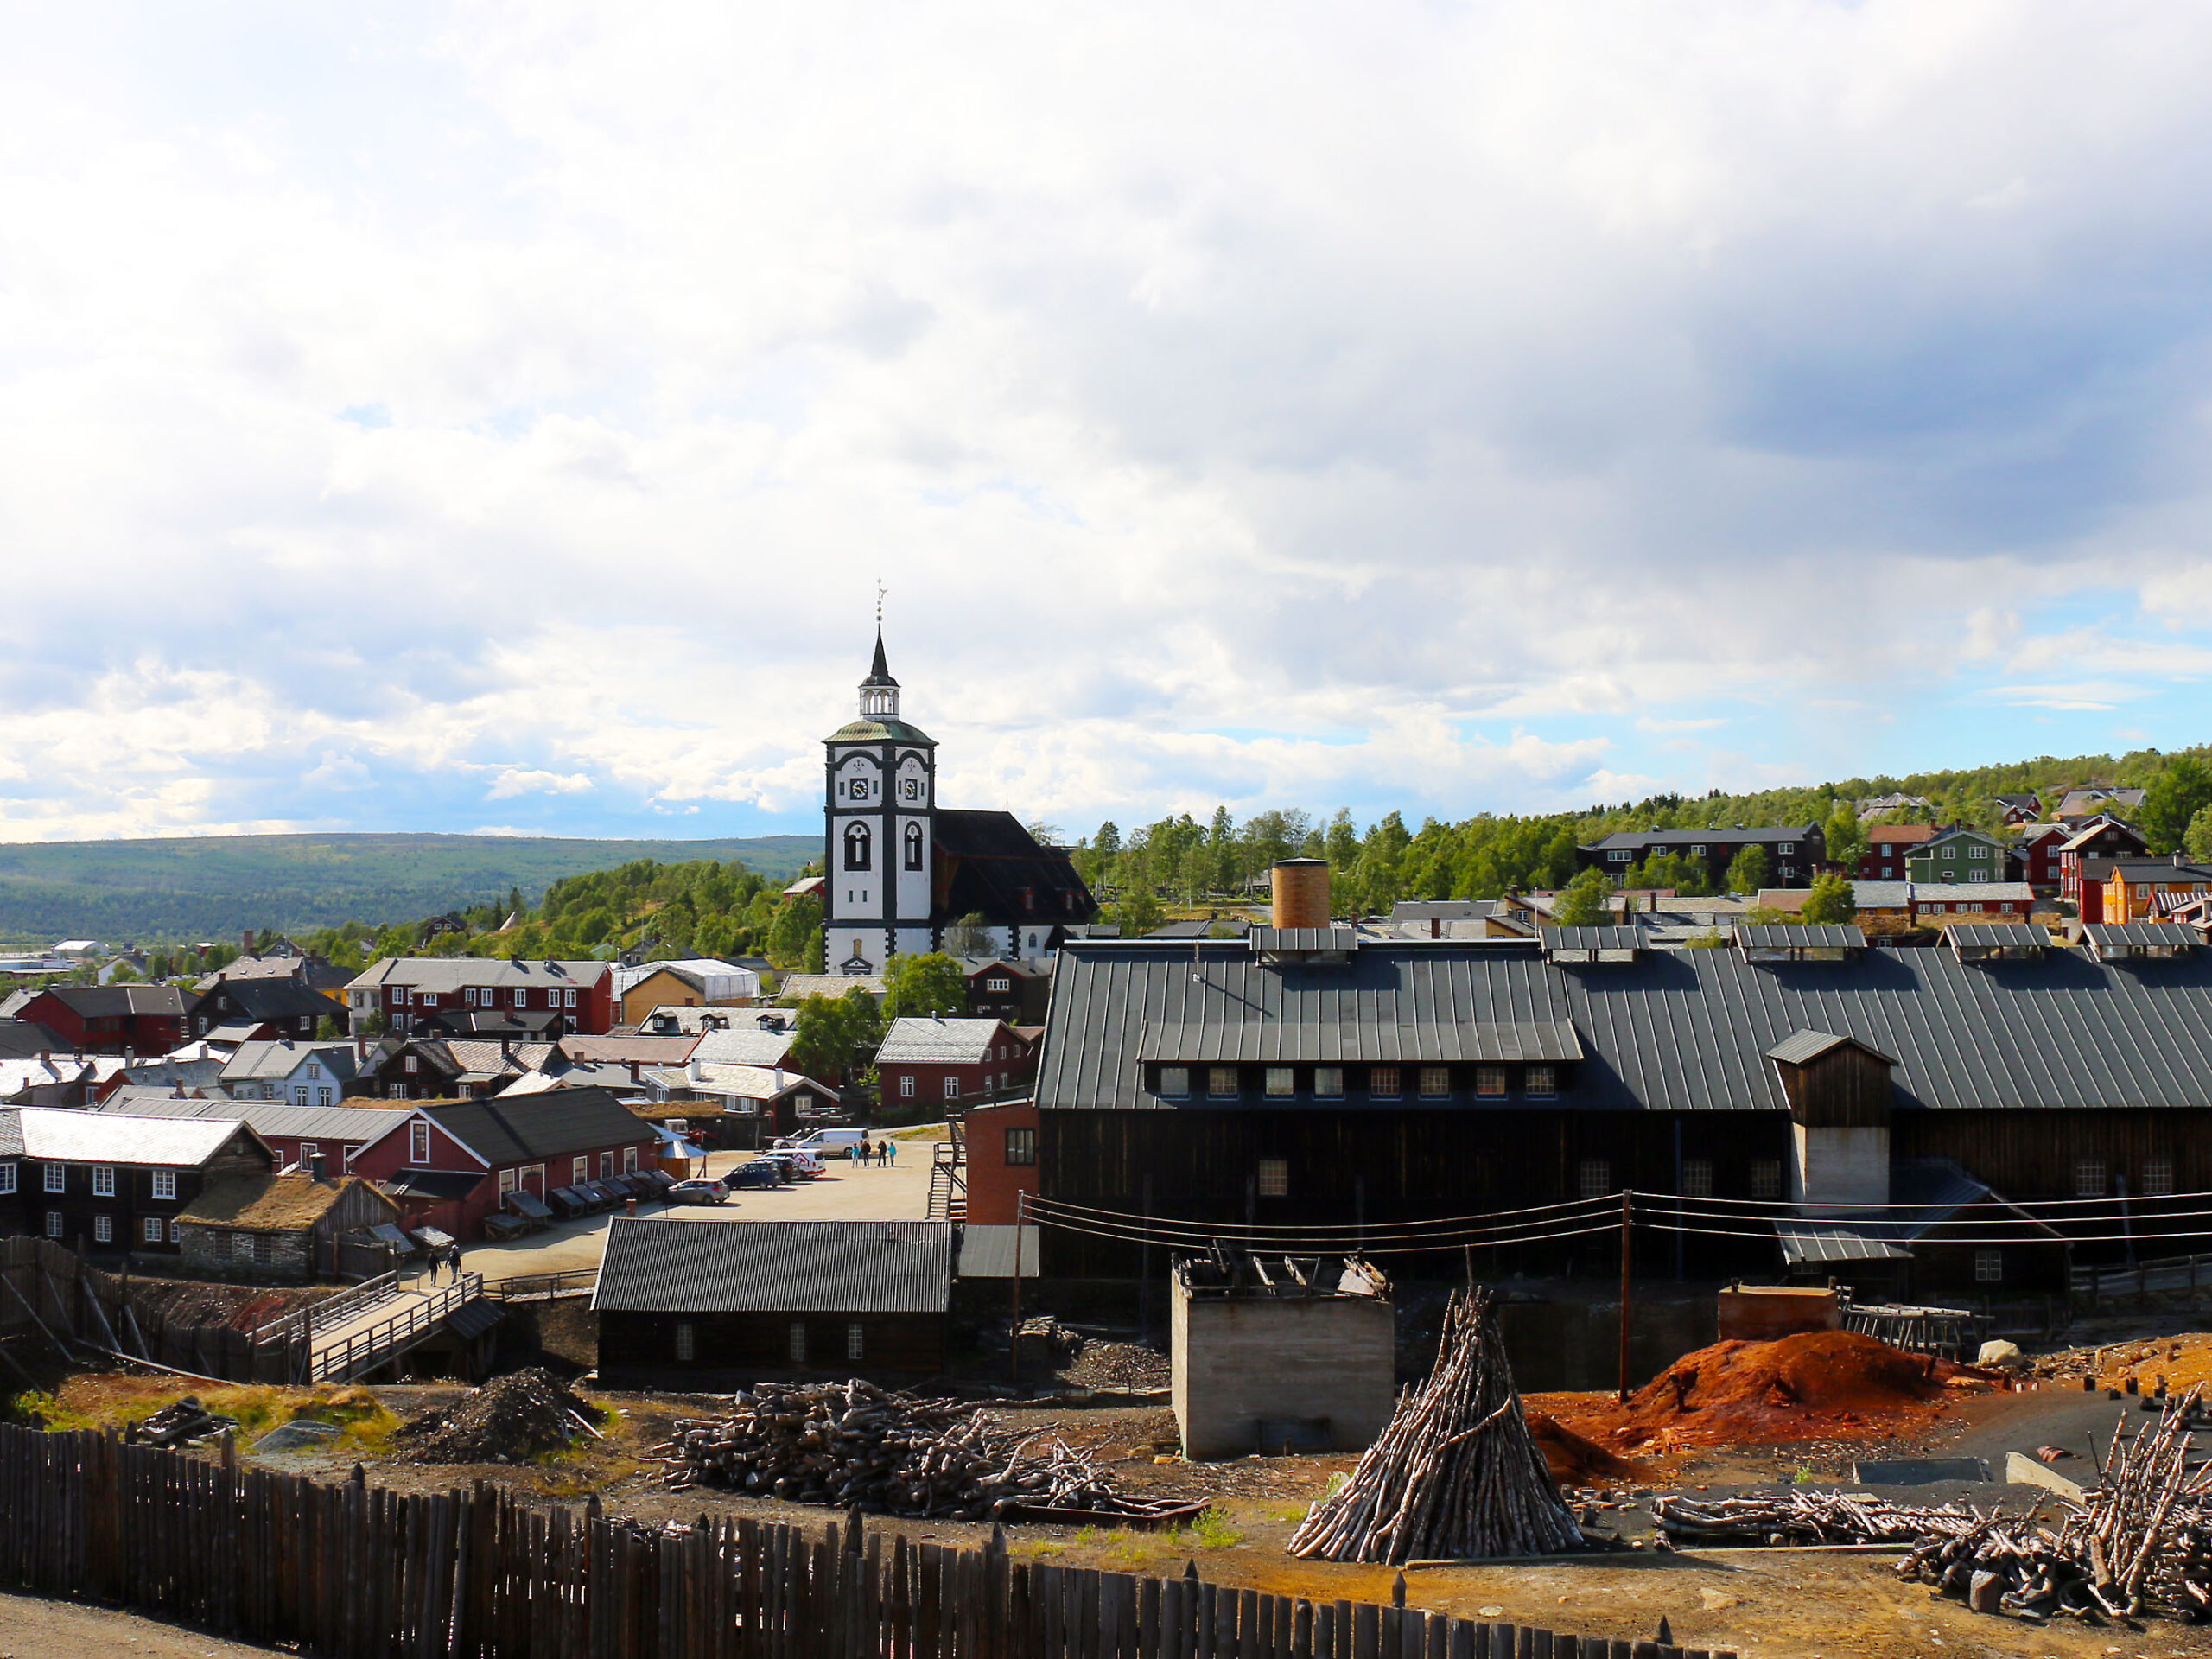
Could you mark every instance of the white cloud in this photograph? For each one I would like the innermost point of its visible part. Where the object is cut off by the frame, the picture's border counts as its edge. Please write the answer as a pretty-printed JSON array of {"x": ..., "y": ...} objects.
[{"x": 1464, "y": 407}]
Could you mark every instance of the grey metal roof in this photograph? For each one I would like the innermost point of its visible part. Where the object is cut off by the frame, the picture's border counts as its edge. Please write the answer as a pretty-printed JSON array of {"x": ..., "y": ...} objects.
[
  {"x": 1799, "y": 936},
  {"x": 1999, "y": 936},
  {"x": 1933, "y": 1189},
  {"x": 1804, "y": 1047},
  {"x": 1671, "y": 1031},
  {"x": 263, "y": 1059},
  {"x": 2104, "y": 934},
  {"x": 60, "y": 1136},
  {"x": 358, "y": 1124},
  {"x": 1596, "y": 938},
  {"x": 657, "y": 1265},
  {"x": 1304, "y": 938},
  {"x": 1443, "y": 910},
  {"x": 1430, "y": 1041},
  {"x": 1882, "y": 895},
  {"x": 1988, "y": 893},
  {"x": 956, "y": 1042},
  {"x": 552, "y": 1124}
]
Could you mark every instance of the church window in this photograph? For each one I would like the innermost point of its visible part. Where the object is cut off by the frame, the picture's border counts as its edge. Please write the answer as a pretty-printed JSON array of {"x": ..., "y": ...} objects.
[
  {"x": 913, "y": 846},
  {"x": 856, "y": 847}
]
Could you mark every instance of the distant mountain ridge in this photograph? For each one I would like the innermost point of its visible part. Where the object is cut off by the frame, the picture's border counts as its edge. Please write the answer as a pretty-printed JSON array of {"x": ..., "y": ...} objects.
[{"x": 182, "y": 888}]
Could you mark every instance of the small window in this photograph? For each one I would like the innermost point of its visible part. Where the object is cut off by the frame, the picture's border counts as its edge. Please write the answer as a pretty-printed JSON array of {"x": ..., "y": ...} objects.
[
  {"x": 1697, "y": 849},
  {"x": 1988, "y": 1267},
  {"x": 322, "y": 1097},
  {"x": 855, "y": 1340},
  {"x": 568, "y": 999},
  {"x": 1786, "y": 847},
  {"x": 1223, "y": 1083},
  {"x": 153, "y": 1230},
  {"x": 797, "y": 1339},
  {"x": 7, "y": 1178},
  {"x": 1697, "y": 1178},
  {"x": 1283, "y": 1081},
  {"x": 2158, "y": 1178},
  {"x": 606, "y": 1165},
  {"x": 906, "y": 1086},
  {"x": 1618, "y": 855},
  {"x": 1383, "y": 1082},
  {"x": 418, "y": 1142},
  {"x": 395, "y": 1092},
  {"x": 1001, "y": 984},
  {"x": 952, "y": 1088},
  {"x": 241, "y": 1246},
  {"x": 165, "y": 1183},
  {"x": 1594, "y": 1179},
  {"x": 104, "y": 1228},
  {"x": 314, "y": 1070},
  {"x": 54, "y": 1223},
  {"x": 2089, "y": 1177},
  {"x": 1490, "y": 1081},
  {"x": 1435, "y": 1082},
  {"x": 1175, "y": 1082},
  {"x": 57, "y": 1178},
  {"x": 399, "y": 996},
  {"x": 103, "y": 1180},
  {"x": 579, "y": 1171},
  {"x": 1021, "y": 1147},
  {"x": 506, "y": 1182},
  {"x": 686, "y": 1340},
  {"x": 1539, "y": 1082},
  {"x": 1274, "y": 1177},
  {"x": 177, "y": 1230},
  {"x": 629, "y": 1161},
  {"x": 411, "y": 1064},
  {"x": 351, "y": 1153},
  {"x": 1328, "y": 1083}
]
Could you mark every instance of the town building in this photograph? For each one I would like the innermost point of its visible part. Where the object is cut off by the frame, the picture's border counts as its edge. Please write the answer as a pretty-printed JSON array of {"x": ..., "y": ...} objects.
[
  {"x": 295, "y": 1135},
  {"x": 1792, "y": 850},
  {"x": 740, "y": 1105},
  {"x": 1887, "y": 845},
  {"x": 450, "y": 1164},
  {"x": 1960, "y": 855},
  {"x": 2078, "y": 805},
  {"x": 1987, "y": 901},
  {"x": 304, "y": 1073},
  {"x": 115, "y": 1182},
  {"x": 714, "y": 1303},
  {"x": 951, "y": 1062},
  {"x": 687, "y": 984},
  {"x": 451, "y": 1068},
  {"x": 2140, "y": 889},
  {"x": 2019, "y": 809},
  {"x": 128, "y": 1020},
  {"x": 2035, "y": 851},
  {"x": 1017, "y": 992},
  {"x": 279, "y": 1227},
  {"x": 411, "y": 992},
  {"x": 2099, "y": 838},
  {"x": 902, "y": 869},
  {"x": 259, "y": 1008}
]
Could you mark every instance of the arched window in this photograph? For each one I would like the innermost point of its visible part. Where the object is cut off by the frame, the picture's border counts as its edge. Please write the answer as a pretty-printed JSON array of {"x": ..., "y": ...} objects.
[
  {"x": 856, "y": 847},
  {"x": 913, "y": 846}
]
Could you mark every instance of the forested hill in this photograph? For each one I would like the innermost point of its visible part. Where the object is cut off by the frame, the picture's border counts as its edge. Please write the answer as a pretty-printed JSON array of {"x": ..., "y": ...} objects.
[
  {"x": 213, "y": 886},
  {"x": 1195, "y": 861}
]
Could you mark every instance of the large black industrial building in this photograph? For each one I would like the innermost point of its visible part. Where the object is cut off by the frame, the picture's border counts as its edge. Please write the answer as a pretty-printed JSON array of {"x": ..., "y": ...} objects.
[{"x": 1318, "y": 1077}]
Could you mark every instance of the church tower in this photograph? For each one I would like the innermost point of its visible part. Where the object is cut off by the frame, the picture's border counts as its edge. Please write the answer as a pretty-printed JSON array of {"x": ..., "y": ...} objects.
[{"x": 880, "y": 804}]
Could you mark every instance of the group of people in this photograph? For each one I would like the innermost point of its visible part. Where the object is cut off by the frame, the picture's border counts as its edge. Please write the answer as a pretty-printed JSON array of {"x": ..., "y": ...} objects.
[
  {"x": 883, "y": 1153},
  {"x": 449, "y": 1258}
]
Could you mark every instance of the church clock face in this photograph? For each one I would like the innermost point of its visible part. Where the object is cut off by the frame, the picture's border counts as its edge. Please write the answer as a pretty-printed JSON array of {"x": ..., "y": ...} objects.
[{"x": 910, "y": 789}]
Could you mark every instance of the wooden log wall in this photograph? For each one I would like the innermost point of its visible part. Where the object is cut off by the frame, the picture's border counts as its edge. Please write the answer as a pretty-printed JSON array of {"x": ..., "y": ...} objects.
[
  {"x": 354, "y": 1572},
  {"x": 50, "y": 1299}
]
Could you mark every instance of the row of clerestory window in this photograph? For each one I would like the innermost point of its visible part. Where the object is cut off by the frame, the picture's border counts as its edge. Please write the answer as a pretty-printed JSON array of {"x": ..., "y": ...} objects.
[{"x": 1535, "y": 1082}]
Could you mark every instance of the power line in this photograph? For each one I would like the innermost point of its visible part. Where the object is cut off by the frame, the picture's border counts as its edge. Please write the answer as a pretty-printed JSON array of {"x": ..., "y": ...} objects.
[{"x": 1611, "y": 1201}]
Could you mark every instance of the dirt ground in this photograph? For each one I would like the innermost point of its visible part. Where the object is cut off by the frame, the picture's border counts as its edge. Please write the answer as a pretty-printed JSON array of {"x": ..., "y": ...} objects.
[{"x": 31, "y": 1629}]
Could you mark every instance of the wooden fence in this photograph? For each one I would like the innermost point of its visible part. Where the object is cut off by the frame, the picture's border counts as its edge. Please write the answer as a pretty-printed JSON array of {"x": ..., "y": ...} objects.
[{"x": 355, "y": 1572}]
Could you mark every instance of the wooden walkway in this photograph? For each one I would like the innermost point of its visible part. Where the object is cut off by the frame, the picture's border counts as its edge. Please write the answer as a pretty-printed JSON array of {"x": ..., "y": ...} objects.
[{"x": 382, "y": 1327}]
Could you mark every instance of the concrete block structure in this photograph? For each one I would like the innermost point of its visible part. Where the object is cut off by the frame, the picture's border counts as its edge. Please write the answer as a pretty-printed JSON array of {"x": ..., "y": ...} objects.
[{"x": 1272, "y": 1352}]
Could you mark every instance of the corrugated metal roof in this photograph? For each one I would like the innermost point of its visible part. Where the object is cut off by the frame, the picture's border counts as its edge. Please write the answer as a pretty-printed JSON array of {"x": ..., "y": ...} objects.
[
  {"x": 57, "y": 1135},
  {"x": 1882, "y": 895},
  {"x": 659, "y": 1266},
  {"x": 1988, "y": 893},
  {"x": 1304, "y": 938},
  {"x": 1673, "y": 1031},
  {"x": 1799, "y": 936},
  {"x": 355, "y": 1124},
  {"x": 2131, "y": 934},
  {"x": 1804, "y": 1047},
  {"x": 1999, "y": 935},
  {"x": 1436, "y": 1041},
  {"x": 550, "y": 1125},
  {"x": 955, "y": 1042},
  {"x": 1595, "y": 939},
  {"x": 1934, "y": 1189}
]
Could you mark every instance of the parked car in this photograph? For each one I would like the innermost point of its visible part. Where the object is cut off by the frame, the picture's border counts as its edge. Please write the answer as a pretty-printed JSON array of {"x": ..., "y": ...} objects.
[
  {"x": 698, "y": 1193},
  {"x": 822, "y": 1143},
  {"x": 800, "y": 1164},
  {"x": 757, "y": 1172}
]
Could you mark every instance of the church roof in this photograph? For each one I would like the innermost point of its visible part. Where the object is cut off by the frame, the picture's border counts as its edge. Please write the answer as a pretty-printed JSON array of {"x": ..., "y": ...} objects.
[
  {"x": 881, "y": 731},
  {"x": 986, "y": 864},
  {"x": 880, "y": 674}
]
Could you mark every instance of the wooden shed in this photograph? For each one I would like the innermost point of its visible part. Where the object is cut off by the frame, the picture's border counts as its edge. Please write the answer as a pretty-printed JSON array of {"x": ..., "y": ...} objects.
[{"x": 268, "y": 1226}]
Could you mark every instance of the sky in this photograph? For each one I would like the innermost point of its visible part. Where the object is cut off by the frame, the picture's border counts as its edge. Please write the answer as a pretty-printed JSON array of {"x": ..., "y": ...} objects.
[{"x": 501, "y": 417}]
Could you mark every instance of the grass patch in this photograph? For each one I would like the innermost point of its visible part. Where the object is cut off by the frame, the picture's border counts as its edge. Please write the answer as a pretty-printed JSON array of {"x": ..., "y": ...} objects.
[{"x": 1210, "y": 1529}]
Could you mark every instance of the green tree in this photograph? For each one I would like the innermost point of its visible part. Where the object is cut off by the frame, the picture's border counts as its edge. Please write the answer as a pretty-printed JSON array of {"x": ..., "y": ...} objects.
[
  {"x": 969, "y": 937},
  {"x": 1137, "y": 914},
  {"x": 924, "y": 987},
  {"x": 1749, "y": 872},
  {"x": 1583, "y": 901},
  {"x": 822, "y": 1038},
  {"x": 2197, "y": 844},
  {"x": 2175, "y": 797},
  {"x": 1847, "y": 837},
  {"x": 1831, "y": 900},
  {"x": 797, "y": 928}
]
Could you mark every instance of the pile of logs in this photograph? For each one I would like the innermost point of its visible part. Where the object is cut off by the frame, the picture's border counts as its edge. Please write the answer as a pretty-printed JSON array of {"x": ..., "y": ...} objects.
[
  {"x": 1456, "y": 1473},
  {"x": 856, "y": 1445},
  {"x": 183, "y": 1422},
  {"x": 2140, "y": 1541},
  {"x": 1797, "y": 1517}
]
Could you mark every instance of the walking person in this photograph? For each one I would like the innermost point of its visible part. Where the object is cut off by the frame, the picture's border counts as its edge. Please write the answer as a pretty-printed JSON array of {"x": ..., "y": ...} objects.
[{"x": 891, "y": 1153}]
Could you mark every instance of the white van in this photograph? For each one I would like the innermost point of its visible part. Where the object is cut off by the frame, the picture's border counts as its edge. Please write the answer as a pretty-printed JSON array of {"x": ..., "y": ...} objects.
[{"x": 824, "y": 1143}]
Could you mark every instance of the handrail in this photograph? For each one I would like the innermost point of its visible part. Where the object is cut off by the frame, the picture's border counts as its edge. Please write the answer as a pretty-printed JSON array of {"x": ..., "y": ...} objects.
[
  {"x": 306, "y": 1318},
  {"x": 380, "y": 1342},
  {"x": 515, "y": 1286}
]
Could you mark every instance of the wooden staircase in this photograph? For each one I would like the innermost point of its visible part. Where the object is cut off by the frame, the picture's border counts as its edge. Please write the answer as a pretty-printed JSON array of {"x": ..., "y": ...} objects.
[{"x": 948, "y": 1180}]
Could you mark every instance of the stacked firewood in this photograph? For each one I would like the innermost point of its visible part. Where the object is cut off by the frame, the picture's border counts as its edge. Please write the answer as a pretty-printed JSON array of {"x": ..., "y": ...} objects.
[
  {"x": 1456, "y": 1473},
  {"x": 2140, "y": 1541},
  {"x": 854, "y": 1445},
  {"x": 1797, "y": 1517}
]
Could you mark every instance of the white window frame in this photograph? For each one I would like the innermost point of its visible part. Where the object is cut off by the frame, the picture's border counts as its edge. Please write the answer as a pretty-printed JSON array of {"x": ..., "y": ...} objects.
[
  {"x": 952, "y": 1088},
  {"x": 629, "y": 1161},
  {"x": 152, "y": 1230},
  {"x": 606, "y": 1166},
  {"x": 2091, "y": 1178},
  {"x": 1283, "y": 1081},
  {"x": 1490, "y": 1083},
  {"x": 905, "y": 1085},
  {"x": 418, "y": 1142},
  {"x": 103, "y": 1228},
  {"x": 7, "y": 1178},
  {"x": 1386, "y": 1083},
  {"x": 579, "y": 1171},
  {"x": 1435, "y": 1083},
  {"x": 103, "y": 1180},
  {"x": 57, "y": 1177},
  {"x": 1328, "y": 1083},
  {"x": 1697, "y": 1178},
  {"x": 1224, "y": 1083},
  {"x": 2158, "y": 1178},
  {"x": 1539, "y": 1082},
  {"x": 164, "y": 1185},
  {"x": 351, "y": 1154},
  {"x": 1271, "y": 1180},
  {"x": 54, "y": 1223}
]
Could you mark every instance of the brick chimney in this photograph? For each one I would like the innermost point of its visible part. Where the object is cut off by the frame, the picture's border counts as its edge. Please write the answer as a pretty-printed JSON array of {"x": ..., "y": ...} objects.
[{"x": 1301, "y": 892}]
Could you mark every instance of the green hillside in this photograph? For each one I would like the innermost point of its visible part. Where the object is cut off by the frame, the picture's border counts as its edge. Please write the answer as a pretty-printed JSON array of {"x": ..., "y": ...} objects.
[{"x": 213, "y": 886}]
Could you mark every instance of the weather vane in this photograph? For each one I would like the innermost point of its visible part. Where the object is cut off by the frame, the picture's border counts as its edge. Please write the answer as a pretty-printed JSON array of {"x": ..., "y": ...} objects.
[{"x": 880, "y": 590}]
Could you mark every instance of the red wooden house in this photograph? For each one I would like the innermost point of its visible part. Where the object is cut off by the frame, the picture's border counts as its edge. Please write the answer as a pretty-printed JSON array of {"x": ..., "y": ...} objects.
[
  {"x": 2102, "y": 839},
  {"x": 951, "y": 1062},
  {"x": 135, "y": 1019},
  {"x": 450, "y": 1165},
  {"x": 555, "y": 998}
]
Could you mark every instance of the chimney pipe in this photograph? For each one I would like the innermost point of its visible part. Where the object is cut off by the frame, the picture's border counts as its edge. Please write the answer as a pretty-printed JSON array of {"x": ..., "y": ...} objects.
[
  {"x": 316, "y": 1165},
  {"x": 1301, "y": 892}
]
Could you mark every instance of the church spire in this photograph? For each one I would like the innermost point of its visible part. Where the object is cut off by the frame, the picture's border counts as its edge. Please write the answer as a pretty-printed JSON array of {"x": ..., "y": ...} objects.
[{"x": 879, "y": 692}]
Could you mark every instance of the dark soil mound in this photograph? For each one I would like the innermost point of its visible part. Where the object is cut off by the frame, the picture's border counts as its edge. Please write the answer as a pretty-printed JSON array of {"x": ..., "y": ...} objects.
[
  {"x": 509, "y": 1419},
  {"x": 1574, "y": 1461}
]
